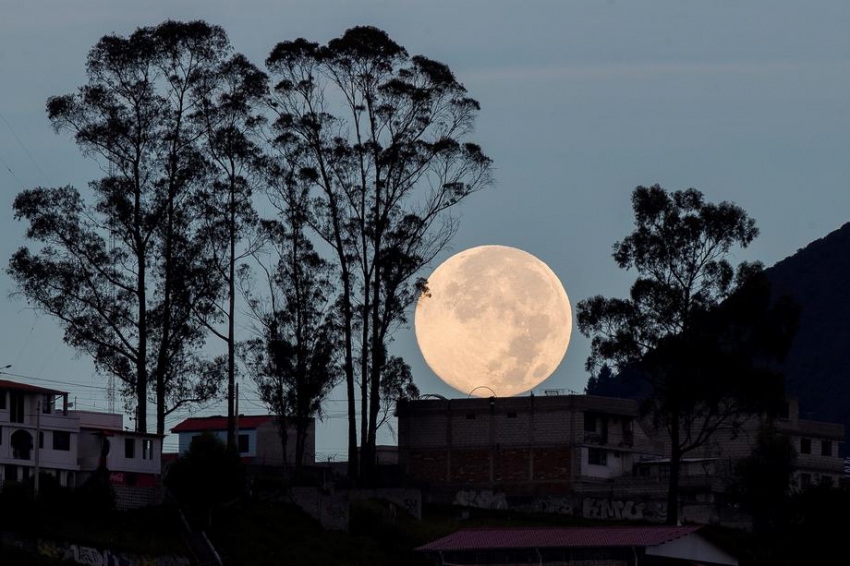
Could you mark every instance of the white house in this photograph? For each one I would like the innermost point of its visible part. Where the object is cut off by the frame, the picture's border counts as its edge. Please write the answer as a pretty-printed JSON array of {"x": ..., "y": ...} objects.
[
  {"x": 258, "y": 438},
  {"x": 36, "y": 430}
]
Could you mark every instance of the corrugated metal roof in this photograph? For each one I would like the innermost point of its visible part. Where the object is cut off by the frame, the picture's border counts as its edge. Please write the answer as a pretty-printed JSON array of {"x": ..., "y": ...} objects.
[
  {"x": 556, "y": 537},
  {"x": 202, "y": 424}
]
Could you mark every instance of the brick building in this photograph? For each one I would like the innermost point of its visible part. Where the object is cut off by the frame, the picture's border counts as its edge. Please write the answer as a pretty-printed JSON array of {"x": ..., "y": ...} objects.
[
  {"x": 535, "y": 445},
  {"x": 586, "y": 455},
  {"x": 818, "y": 446}
]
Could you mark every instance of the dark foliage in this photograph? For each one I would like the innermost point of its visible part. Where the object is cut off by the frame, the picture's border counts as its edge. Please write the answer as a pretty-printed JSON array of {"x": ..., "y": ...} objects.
[
  {"x": 124, "y": 269},
  {"x": 207, "y": 475},
  {"x": 698, "y": 330},
  {"x": 376, "y": 136}
]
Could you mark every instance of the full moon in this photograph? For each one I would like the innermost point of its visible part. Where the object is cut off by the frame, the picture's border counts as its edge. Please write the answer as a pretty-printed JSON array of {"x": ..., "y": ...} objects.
[{"x": 494, "y": 320}]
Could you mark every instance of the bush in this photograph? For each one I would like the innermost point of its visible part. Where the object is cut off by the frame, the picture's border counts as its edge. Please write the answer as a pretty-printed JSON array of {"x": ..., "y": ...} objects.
[{"x": 206, "y": 475}]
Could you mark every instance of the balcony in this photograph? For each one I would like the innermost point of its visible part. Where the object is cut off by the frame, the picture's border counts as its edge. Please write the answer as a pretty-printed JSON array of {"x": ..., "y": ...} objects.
[{"x": 595, "y": 438}]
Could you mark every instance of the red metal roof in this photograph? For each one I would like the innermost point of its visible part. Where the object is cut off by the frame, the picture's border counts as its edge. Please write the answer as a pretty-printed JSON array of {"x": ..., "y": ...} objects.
[
  {"x": 15, "y": 386},
  {"x": 556, "y": 537},
  {"x": 202, "y": 424}
]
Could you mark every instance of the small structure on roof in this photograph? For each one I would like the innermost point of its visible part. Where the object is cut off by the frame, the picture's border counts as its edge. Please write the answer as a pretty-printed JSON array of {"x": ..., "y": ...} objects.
[{"x": 566, "y": 546}]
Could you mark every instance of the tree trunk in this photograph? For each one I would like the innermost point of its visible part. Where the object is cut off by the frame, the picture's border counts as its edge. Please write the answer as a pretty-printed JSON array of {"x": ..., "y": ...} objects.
[
  {"x": 353, "y": 463},
  {"x": 142, "y": 354},
  {"x": 675, "y": 465},
  {"x": 300, "y": 435},
  {"x": 231, "y": 312}
]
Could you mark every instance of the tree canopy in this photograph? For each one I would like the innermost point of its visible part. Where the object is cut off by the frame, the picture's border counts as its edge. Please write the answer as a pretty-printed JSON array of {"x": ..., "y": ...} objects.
[
  {"x": 378, "y": 136},
  {"x": 699, "y": 330},
  {"x": 123, "y": 268}
]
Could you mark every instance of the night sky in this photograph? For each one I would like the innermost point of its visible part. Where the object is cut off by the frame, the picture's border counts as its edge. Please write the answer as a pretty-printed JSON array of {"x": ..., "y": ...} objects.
[{"x": 581, "y": 102}]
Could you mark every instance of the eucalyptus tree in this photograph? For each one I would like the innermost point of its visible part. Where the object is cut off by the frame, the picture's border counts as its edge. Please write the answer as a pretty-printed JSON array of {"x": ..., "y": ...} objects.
[
  {"x": 121, "y": 268},
  {"x": 227, "y": 113},
  {"x": 295, "y": 359},
  {"x": 379, "y": 135},
  {"x": 694, "y": 326}
]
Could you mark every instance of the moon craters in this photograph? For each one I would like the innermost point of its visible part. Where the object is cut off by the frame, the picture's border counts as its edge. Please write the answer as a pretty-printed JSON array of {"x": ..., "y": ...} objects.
[{"x": 495, "y": 316}]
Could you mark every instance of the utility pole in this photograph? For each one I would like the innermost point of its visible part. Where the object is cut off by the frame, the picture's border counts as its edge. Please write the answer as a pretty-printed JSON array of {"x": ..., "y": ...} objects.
[
  {"x": 37, "y": 443},
  {"x": 236, "y": 420}
]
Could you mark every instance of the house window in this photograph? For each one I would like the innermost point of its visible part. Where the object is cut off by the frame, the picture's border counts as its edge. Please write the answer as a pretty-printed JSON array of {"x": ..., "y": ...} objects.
[
  {"x": 243, "y": 443},
  {"x": 46, "y": 402},
  {"x": 2, "y": 399},
  {"x": 40, "y": 440},
  {"x": 805, "y": 446},
  {"x": 129, "y": 447},
  {"x": 21, "y": 445},
  {"x": 61, "y": 440},
  {"x": 805, "y": 480},
  {"x": 826, "y": 448},
  {"x": 597, "y": 457},
  {"x": 147, "y": 449},
  {"x": 589, "y": 422},
  {"x": 16, "y": 407}
]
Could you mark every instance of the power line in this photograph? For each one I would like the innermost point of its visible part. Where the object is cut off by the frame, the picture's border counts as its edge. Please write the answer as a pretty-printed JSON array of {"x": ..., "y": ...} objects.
[
  {"x": 20, "y": 143},
  {"x": 52, "y": 380},
  {"x": 9, "y": 169}
]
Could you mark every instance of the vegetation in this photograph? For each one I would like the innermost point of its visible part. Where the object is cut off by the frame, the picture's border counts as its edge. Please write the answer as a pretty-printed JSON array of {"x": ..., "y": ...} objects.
[
  {"x": 377, "y": 137},
  {"x": 207, "y": 475},
  {"x": 62, "y": 515},
  {"x": 124, "y": 270},
  {"x": 295, "y": 361},
  {"x": 700, "y": 357},
  {"x": 359, "y": 146}
]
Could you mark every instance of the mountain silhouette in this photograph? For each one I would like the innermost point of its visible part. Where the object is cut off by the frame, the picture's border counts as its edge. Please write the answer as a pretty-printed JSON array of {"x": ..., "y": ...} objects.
[{"x": 817, "y": 367}]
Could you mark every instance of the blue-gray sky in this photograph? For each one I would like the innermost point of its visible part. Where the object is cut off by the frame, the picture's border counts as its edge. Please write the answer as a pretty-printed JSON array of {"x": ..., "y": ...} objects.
[{"x": 581, "y": 102}]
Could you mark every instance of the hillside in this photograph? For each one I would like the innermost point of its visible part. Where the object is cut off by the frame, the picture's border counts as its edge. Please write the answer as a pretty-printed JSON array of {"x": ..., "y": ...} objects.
[{"x": 817, "y": 368}]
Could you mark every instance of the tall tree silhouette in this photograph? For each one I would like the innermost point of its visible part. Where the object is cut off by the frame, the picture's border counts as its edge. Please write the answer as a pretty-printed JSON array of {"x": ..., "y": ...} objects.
[
  {"x": 702, "y": 359},
  {"x": 295, "y": 360},
  {"x": 378, "y": 135},
  {"x": 229, "y": 96},
  {"x": 123, "y": 270}
]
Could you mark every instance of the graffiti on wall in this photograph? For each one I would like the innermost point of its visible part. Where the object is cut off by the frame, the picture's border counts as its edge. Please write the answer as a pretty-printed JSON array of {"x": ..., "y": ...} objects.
[
  {"x": 628, "y": 510},
  {"x": 484, "y": 499},
  {"x": 560, "y": 505},
  {"x": 90, "y": 556}
]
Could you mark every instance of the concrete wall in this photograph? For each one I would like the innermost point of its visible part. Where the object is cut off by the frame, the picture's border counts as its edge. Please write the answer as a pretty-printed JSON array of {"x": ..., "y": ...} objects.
[{"x": 332, "y": 509}]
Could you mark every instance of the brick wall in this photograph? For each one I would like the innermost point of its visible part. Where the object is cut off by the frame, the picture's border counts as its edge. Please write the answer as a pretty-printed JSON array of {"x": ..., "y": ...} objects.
[{"x": 133, "y": 497}]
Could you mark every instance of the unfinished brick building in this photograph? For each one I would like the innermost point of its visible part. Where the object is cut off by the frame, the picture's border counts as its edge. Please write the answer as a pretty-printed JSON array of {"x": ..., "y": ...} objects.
[{"x": 534, "y": 445}]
